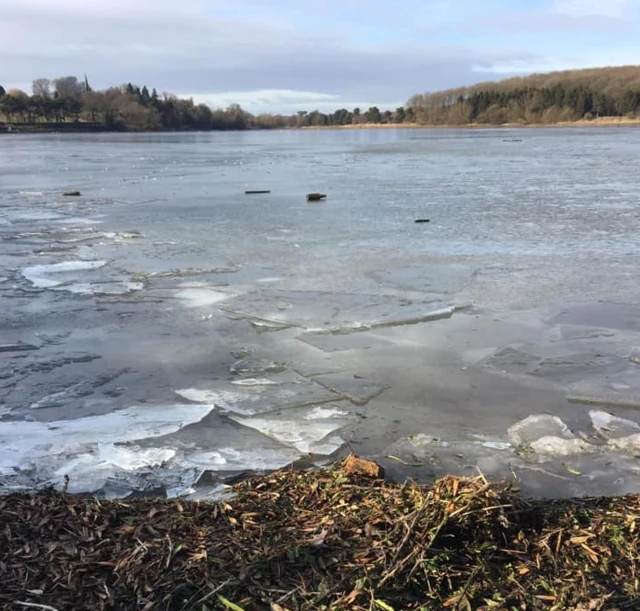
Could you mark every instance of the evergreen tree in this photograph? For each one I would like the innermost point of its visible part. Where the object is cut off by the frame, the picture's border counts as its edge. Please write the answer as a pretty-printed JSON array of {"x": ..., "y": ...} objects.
[{"x": 145, "y": 98}]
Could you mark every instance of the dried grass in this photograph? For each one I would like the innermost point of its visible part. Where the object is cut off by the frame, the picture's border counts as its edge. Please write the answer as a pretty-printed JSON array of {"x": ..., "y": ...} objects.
[{"x": 322, "y": 540}]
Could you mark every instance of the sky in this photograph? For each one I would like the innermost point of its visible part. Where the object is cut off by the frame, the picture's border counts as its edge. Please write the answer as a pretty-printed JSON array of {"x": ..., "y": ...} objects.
[{"x": 282, "y": 56}]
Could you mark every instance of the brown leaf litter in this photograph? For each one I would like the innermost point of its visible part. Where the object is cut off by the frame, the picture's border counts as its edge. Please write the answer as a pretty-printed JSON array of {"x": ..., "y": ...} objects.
[{"x": 325, "y": 539}]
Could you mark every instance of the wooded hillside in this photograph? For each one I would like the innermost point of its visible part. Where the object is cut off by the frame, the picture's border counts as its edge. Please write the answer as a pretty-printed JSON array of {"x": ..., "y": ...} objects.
[{"x": 540, "y": 98}]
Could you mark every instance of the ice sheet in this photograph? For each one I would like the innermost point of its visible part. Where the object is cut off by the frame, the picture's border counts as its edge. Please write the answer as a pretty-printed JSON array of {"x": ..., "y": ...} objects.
[{"x": 357, "y": 390}]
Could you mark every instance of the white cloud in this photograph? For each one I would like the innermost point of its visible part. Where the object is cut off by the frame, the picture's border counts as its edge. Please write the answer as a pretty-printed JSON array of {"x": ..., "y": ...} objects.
[
  {"x": 614, "y": 9},
  {"x": 284, "y": 101},
  {"x": 595, "y": 58},
  {"x": 284, "y": 55}
]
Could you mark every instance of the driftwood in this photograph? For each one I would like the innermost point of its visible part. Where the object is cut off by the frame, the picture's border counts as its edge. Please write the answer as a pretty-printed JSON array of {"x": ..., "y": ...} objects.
[
  {"x": 316, "y": 197},
  {"x": 256, "y": 192}
]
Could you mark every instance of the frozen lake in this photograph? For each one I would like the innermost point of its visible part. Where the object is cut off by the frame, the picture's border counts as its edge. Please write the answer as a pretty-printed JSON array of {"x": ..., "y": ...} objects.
[{"x": 165, "y": 331}]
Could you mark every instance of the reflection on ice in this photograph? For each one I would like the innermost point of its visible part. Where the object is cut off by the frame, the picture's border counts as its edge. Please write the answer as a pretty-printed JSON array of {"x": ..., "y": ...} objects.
[{"x": 254, "y": 400}]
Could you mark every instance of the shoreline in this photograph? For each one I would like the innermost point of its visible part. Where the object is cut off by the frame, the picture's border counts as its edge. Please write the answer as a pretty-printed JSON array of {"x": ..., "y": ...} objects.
[
  {"x": 598, "y": 122},
  {"x": 339, "y": 537},
  {"x": 603, "y": 122}
]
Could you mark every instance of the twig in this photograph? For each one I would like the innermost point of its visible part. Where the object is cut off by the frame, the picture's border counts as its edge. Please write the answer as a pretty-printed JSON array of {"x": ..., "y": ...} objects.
[
  {"x": 214, "y": 591},
  {"x": 391, "y": 571},
  {"x": 468, "y": 584},
  {"x": 37, "y": 606}
]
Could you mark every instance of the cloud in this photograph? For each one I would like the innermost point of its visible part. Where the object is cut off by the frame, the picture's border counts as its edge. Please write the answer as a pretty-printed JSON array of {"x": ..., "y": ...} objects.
[
  {"x": 612, "y": 9},
  {"x": 284, "y": 101},
  {"x": 288, "y": 53}
]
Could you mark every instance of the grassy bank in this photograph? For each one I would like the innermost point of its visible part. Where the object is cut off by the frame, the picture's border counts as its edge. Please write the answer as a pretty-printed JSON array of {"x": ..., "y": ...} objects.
[
  {"x": 598, "y": 122},
  {"x": 332, "y": 539}
]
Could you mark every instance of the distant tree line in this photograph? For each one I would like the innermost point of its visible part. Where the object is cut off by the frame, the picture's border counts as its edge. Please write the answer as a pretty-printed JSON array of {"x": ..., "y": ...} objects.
[
  {"x": 127, "y": 108},
  {"x": 540, "y": 98},
  {"x": 73, "y": 102}
]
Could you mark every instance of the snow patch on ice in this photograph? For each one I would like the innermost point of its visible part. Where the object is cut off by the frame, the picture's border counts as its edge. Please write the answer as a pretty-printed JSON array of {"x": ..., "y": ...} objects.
[
  {"x": 201, "y": 297},
  {"x": 630, "y": 444},
  {"x": 254, "y": 382},
  {"x": 560, "y": 446}
]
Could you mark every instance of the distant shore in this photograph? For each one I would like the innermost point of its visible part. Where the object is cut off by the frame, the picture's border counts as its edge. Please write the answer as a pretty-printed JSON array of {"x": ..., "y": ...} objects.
[
  {"x": 81, "y": 128},
  {"x": 598, "y": 122}
]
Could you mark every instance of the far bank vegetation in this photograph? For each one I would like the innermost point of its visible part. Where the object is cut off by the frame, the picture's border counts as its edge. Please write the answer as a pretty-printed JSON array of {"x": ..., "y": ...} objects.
[
  {"x": 602, "y": 94},
  {"x": 556, "y": 97}
]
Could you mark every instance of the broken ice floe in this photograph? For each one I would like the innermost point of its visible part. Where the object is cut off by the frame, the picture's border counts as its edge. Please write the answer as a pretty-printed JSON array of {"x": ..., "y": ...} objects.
[
  {"x": 335, "y": 312},
  {"x": 22, "y": 441},
  {"x": 78, "y": 277},
  {"x": 611, "y": 427},
  {"x": 549, "y": 435},
  {"x": 55, "y": 274},
  {"x": 546, "y": 459},
  {"x": 308, "y": 431},
  {"x": 535, "y": 427},
  {"x": 91, "y": 470},
  {"x": 90, "y": 449}
]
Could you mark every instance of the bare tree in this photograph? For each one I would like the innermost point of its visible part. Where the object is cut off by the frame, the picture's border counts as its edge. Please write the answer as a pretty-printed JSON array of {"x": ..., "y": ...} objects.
[
  {"x": 68, "y": 87},
  {"x": 41, "y": 88}
]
